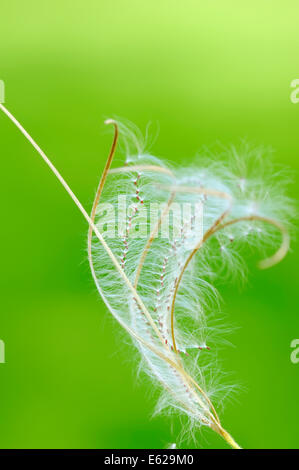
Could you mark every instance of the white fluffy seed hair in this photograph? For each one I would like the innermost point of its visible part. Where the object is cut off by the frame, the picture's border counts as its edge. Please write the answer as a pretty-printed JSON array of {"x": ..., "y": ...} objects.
[
  {"x": 161, "y": 289},
  {"x": 174, "y": 277}
]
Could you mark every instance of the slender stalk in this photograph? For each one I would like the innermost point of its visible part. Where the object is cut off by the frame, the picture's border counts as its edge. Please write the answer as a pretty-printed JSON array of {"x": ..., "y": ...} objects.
[
  {"x": 101, "y": 184},
  {"x": 285, "y": 243},
  {"x": 191, "y": 190},
  {"x": 129, "y": 168},
  {"x": 151, "y": 238},
  {"x": 98, "y": 195},
  {"x": 185, "y": 377},
  {"x": 227, "y": 437},
  {"x": 208, "y": 233},
  {"x": 88, "y": 219}
]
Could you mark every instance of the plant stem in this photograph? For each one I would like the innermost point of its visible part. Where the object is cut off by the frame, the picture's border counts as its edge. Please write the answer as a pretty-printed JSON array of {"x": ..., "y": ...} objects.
[{"x": 225, "y": 435}]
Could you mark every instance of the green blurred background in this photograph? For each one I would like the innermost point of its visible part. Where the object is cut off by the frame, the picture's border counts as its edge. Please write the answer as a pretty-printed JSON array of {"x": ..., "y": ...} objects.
[{"x": 206, "y": 72}]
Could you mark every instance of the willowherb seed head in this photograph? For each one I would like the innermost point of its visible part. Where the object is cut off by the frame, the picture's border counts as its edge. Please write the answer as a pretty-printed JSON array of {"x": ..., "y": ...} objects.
[
  {"x": 159, "y": 236},
  {"x": 239, "y": 205}
]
